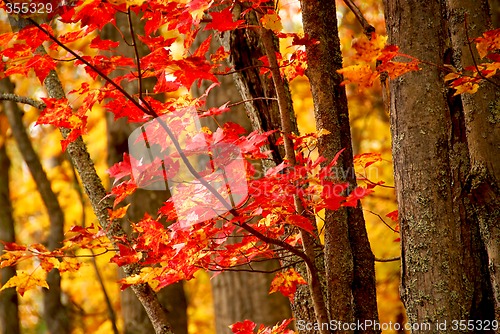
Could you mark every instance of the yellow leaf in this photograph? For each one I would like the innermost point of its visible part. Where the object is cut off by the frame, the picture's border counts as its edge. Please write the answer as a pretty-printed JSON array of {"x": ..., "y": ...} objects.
[
  {"x": 323, "y": 132},
  {"x": 395, "y": 69},
  {"x": 11, "y": 258},
  {"x": 467, "y": 87},
  {"x": 24, "y": 281},
  {"x": 70, "y": 264},
  {"x": 269, "y": 220},
  {"x": 286, "y": 283},
  {"x": 272, "y": 21},
  {"x": 451, "y": 76}
]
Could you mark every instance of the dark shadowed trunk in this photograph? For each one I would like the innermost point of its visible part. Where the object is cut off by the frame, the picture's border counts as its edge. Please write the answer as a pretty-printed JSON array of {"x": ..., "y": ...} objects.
[{"x": 9, "y": 314}]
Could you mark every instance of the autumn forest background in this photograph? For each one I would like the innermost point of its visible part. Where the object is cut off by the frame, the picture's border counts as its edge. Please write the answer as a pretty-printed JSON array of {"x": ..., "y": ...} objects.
[{"x": 44, "y": 201}]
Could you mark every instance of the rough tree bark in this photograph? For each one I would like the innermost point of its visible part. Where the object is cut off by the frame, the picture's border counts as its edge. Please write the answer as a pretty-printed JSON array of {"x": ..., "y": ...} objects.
[
  {"x": 482, "y": 123},
  {"x": 9, "y": 314},
  {"x": 349, "y": 261},
  {"x": 444, "y": 275},
  {"x": 55, "y": 312}
]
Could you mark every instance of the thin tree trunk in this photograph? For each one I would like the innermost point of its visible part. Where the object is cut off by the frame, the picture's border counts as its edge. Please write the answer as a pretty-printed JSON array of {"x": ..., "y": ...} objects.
[
  {"x": 246, "y": 47},
  {"x": 9, "y": 313},
  {"x": 482, "y": 116},
  {"x": 142, "y": 201},
  {"x": 443, "y": 270},
  {"x": 349, "y": 261},
  {"x": 55, "y": 313},
  {"x": 241, "y": 295},
  {"x": 100, "y": 203}
]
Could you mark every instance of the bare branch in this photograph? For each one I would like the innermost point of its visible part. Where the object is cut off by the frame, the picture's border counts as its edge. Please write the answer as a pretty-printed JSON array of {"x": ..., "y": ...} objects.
[
  {"x": 22, "y": 99},
  {"x": 390, "y": 259},
  {"x": 368, "y": 29}
]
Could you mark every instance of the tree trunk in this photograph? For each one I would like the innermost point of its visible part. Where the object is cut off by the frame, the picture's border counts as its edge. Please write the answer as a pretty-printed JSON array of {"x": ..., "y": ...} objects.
[
  {"x": 9, "y": 315},
  {"x": 495, "y": 12},
  {"x": 172, "y": 298},
  {"x": 242, "y": 295},
  {"x": 55, "y": 313},
  {"x": 482, "y": 119},
  {"x": 246, "y": 47},
  {"x": 101, "y": 203},
  {"x": 443, "y": 269},
  {"x": 349, "y": 261}
]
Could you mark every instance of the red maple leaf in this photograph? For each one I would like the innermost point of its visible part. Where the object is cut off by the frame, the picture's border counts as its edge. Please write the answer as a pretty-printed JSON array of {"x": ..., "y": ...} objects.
[
  {"x": 98, "y": 43},
  {"x": 126, "y": 255},
  {"x": 244, "y": 327},
  {"x": 123, "y": 190},
  {"x": 33, "y": 36},
  {"x": 41, "y": 65},
  {"x": 121, "y": 169},
  {"x": 223, "y": 21},
  {"x": 59, "y": 113},
  {"x": 393, "y": 215}
]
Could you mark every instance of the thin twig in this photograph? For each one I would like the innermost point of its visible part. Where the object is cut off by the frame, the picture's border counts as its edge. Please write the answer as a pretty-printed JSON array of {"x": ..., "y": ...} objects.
[
  {"x": 390, "y": 259},
  {"x": 368, "y": 29},
  {"x": 383, "y": 221},
  {"x": 251, "y": 100}
]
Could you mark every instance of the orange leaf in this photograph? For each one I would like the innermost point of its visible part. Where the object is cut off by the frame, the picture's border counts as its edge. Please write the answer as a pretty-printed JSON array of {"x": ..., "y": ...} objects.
[
  {"x": 490, "y": 41},
  {"x": 118, "y": 213},
  {"x": 286, "y": 283},
  {"x": 396, "y": 69},
  {"x": 361, "y": 74},
  {"x": 369, "y": 50},
  {"x": 123, "y": 190},
  {"x": 366, "y": 159}
]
